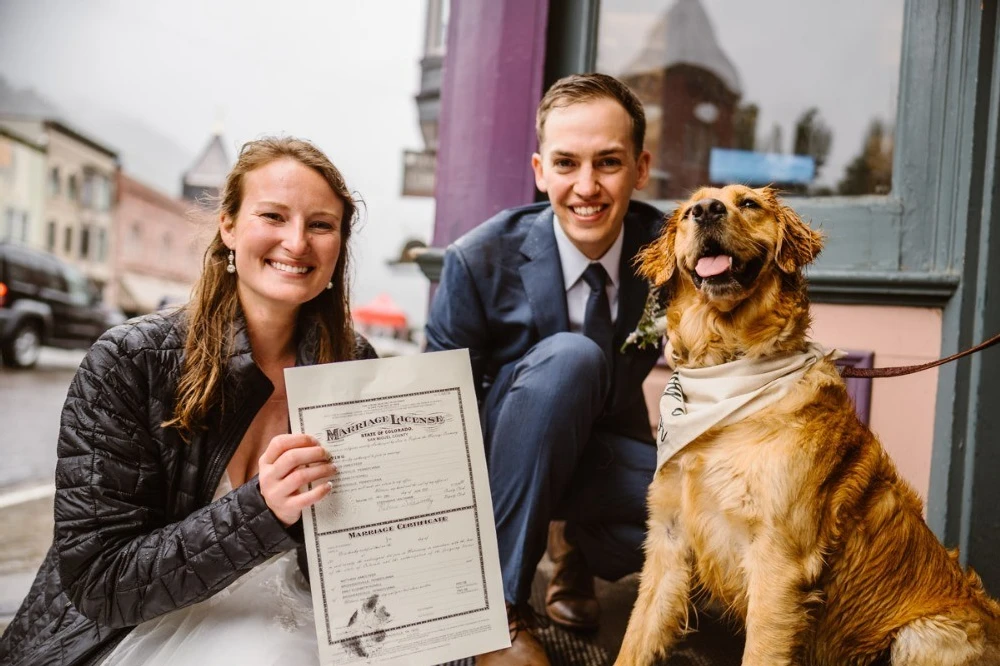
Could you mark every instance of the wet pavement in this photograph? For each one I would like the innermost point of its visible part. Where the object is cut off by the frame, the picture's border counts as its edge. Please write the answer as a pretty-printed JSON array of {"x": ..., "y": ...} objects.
[
  {"x": 30, "y": 405},
  {"x": 27, "y": 534}
]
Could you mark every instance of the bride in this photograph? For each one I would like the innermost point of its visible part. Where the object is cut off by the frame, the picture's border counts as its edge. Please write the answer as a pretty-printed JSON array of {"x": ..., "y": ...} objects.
[{"x": 177, "y": 507}]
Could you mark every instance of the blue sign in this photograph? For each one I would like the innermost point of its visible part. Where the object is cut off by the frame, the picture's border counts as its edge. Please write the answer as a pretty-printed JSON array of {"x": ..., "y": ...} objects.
[{"x": 751, "y": 168}]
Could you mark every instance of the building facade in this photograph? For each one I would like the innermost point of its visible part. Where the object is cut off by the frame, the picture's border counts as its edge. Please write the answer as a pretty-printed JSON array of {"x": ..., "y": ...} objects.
[
  {"x": 79, "y": 197},
  {"x": 884, "y": 132},
  {"x": 161, "y": 240},
  {"x": 159, "y": 243},
  {"x": 22, "y": 188}
]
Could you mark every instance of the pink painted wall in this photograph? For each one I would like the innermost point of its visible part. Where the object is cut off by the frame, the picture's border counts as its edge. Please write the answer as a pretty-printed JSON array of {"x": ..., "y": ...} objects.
[
  {"x": 902, "y": 408},
  {"x": 158, "y": 218}
]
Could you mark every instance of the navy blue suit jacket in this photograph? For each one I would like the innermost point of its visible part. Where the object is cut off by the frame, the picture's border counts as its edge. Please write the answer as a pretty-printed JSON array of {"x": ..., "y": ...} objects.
[{"x": 502, "y": 291}]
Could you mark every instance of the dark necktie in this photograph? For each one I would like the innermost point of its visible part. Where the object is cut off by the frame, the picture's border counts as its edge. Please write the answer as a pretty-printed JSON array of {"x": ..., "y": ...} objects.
[{"x": 597, "y": 319}]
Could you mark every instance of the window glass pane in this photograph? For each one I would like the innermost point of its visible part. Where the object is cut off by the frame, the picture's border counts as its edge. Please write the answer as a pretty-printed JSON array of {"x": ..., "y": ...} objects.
[
  {"x": 54, "y": 181},
  {"x": 79, "y": 290},
  {"x": 19, "y": 268},
  {"x": 52, "y": 272},
  {"x": 85, "y": 242},
  {"x": 102, "y": 244},
  {"x": 801, "y": 95}
]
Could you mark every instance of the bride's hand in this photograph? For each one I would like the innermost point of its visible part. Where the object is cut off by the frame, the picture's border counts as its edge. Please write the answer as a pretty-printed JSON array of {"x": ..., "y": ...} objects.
[{"x": 290, "y": 462}]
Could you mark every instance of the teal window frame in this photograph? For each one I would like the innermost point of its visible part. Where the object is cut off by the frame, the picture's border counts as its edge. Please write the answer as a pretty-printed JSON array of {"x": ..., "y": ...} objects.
[{"x": 880, "y": 249}]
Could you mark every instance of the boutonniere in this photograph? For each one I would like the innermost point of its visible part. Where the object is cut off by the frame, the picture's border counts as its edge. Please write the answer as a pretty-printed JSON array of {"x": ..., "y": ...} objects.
[{"x": 652, "y": 324}]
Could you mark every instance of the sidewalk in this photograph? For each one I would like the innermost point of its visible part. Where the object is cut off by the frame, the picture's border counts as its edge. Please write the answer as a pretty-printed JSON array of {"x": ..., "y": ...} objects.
[{"x": 27, "y": 531}]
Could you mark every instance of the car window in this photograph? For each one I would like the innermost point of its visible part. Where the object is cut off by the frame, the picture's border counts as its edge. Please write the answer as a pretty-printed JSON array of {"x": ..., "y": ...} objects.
[
  {"x": 20, "y": 268},
  {"x": 79, "y": 293},
  {"x": 51, "y": 275},
  {"x": 17, "y": 271}
]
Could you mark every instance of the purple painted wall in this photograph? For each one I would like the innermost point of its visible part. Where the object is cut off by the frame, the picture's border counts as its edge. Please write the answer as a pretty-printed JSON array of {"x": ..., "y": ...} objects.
[{"x": 491, "y": 85}]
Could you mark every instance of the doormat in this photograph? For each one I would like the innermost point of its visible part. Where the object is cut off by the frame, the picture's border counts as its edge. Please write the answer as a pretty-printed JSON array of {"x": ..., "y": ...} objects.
[{"x": 713, "y": 644}]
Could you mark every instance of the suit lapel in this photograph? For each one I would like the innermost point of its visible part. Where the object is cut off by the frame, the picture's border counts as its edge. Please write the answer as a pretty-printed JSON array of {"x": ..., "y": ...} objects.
[{"x": 542, "y": 277}]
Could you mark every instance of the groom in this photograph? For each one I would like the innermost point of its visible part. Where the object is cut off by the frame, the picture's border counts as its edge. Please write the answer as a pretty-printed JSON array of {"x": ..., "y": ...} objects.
[{"x": 543, "y": 296}]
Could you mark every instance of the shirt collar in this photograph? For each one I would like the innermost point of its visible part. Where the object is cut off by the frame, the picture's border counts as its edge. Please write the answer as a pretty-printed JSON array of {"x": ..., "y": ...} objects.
[{"x": 574, "y": 262}]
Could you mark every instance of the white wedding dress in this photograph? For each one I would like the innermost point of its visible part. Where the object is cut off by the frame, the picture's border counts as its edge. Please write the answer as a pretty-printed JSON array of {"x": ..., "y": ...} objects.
[{"x": 264, "y": 617}]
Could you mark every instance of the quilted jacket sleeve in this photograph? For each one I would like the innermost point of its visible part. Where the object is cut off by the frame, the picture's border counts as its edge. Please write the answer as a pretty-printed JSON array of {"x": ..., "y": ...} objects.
[{"x": 121, "y": 560}]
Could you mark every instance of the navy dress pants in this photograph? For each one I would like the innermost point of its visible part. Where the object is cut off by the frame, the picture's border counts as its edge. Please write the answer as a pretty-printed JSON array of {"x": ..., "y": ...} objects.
[{"x": 548, "y": 461}]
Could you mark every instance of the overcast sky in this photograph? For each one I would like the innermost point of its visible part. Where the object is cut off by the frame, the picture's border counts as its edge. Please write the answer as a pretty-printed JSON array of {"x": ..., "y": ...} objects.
[{"x": 338, "y": 72}]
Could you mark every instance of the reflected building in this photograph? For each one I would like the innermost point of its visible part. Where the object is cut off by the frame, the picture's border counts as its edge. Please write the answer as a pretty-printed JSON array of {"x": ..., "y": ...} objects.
[{"x": 691, "y": 90}]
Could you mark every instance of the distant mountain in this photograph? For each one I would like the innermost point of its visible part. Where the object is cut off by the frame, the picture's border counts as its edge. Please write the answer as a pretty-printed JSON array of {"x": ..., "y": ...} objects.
[
  {"x": 145, "y": 153},
  {"x": 24, "y": 102}
]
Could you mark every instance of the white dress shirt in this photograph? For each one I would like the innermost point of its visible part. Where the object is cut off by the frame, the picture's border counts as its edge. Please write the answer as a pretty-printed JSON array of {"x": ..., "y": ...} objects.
[{"x": 574, "y": 263}]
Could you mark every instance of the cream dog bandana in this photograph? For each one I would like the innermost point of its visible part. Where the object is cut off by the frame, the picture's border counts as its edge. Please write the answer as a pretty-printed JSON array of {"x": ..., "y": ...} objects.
[{"x": 698, "y": 399}]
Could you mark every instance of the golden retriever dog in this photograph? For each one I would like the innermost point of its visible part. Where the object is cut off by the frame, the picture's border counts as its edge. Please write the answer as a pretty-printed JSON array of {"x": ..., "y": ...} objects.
[{"x": 791, "y": 517}]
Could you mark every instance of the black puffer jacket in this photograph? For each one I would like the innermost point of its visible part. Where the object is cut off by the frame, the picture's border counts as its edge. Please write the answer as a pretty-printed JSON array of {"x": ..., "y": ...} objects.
[{"x": 136, "y": 532}]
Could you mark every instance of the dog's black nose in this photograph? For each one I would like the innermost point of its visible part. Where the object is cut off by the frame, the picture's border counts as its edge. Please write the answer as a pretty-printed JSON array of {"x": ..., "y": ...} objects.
[{"x": 708, "y": 211}]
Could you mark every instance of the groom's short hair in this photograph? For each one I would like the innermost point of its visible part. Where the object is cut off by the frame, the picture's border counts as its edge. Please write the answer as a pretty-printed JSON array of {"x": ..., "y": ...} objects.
[{"x": 578, "y": 88}]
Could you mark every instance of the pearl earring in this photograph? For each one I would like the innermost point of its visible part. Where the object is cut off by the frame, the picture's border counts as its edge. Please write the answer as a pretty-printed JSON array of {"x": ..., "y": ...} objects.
[
  {"x": 329, "y": 285},
  {"x": 231, "y": 267}
]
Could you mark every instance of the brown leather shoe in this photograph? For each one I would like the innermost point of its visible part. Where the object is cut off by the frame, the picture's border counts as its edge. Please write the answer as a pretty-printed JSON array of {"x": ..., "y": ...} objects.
[
  {"x": 569, "y": 599},
  {"x": 525, "y": 649}
]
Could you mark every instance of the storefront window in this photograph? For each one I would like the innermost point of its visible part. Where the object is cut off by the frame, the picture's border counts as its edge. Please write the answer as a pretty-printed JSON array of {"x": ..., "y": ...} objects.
[{"x": 797, "y": 95}]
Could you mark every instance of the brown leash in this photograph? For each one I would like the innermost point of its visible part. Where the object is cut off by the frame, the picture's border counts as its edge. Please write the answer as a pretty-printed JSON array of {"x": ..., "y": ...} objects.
[{"x": 872, "y": 373}]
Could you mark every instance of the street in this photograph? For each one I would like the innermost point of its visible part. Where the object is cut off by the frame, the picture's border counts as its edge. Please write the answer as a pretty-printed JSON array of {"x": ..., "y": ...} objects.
[{"x": 30, "y": 405}]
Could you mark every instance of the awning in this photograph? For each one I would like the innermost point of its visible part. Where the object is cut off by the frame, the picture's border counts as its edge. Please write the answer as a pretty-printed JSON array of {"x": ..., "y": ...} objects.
[
  {"x": 382, "y": 311},
  {"x": 145, "y": 293}
]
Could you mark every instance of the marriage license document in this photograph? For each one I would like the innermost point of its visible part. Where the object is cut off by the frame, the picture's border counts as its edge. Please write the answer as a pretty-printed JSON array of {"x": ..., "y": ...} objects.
[{"x": 403, "y": 557}]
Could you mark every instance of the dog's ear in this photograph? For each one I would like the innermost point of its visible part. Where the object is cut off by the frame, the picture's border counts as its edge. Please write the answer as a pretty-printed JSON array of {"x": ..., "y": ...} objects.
[
  {"x": 798, "y": 243},
  {"x": 657, "y": 261}
]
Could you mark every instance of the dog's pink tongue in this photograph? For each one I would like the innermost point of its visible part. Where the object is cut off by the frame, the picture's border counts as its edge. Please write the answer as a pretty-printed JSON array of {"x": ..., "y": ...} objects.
[{"x": 709, "y": 266}]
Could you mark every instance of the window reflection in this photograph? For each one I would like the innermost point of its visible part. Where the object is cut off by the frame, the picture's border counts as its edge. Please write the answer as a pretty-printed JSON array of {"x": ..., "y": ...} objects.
[{"x": 781, "y": 92}]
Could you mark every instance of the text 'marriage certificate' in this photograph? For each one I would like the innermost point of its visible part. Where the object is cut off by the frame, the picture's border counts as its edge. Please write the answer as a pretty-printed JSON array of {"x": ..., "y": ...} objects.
[{"x": 402, "y": 553}]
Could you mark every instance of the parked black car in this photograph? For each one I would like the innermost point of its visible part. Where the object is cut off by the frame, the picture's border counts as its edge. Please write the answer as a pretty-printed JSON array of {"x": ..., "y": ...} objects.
[{"x": 45, "y": 301}]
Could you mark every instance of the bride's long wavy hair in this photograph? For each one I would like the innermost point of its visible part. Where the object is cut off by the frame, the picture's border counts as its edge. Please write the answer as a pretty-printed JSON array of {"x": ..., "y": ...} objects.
[{"x": 215, "y": 308}]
